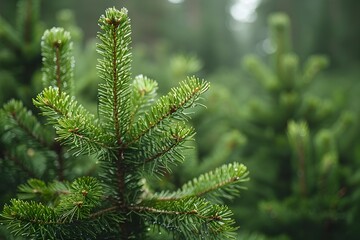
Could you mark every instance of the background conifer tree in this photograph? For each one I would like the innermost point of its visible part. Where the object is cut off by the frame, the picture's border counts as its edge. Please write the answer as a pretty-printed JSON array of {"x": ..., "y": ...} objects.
[
  {"x": 303, "y": 141},
  {"x": 134, "y": 137},
  {"x": 20, "y": 57}
]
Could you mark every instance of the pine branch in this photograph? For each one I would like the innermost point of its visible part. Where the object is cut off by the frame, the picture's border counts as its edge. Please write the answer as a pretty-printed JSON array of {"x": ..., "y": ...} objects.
[
  {"x": 189, "y": 218},
  {"x": 75, "y": 126},
  {"x": 24, "y": 138},
  {"x": 48, "y": 194},
  {"x": 26, "y": 22},
  {"x": 143, "y": 95},
  {"x": 35, "y": 220},
  {"x": 261, "y": 72},
  {"x": 223, "y": 182},
  {"x": 299, "y": 138},
  {"x": 58, "y": 62},
  {"x": 19, "y": 164},
  {"x": 168, "y": 108},
  {"x": 28, "y": 128},
  {"x": 85, "y": 194},
  {"x": 164, "y": 150},
  {"x": 312, "y": 67},
  {"x": 114, "y": 70}
]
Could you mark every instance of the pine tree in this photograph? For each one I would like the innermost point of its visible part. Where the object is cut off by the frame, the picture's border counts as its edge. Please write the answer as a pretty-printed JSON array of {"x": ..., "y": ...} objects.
[
  {"x": 134, "y": 137},
  {"x": 303, "y": 140}
]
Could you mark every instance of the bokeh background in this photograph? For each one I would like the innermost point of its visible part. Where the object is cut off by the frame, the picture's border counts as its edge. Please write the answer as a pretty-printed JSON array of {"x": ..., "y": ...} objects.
[{"x": 284, "y": 100}]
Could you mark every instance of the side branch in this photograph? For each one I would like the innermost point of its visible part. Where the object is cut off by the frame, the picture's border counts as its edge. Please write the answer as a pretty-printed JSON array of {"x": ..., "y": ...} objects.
[
  {"x": 203, "y": 192},
  {"x": 27, "y": 130},
  {"x": 171, "y": 105},
  {"x": 74, "y": 125},
  {"x": 18, "y": 163},
  {"x": 162, "y": 153},
  {"x": 224, "y": 182}
]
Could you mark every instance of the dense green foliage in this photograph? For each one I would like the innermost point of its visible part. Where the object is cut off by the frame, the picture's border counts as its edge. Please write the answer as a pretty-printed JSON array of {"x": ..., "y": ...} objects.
[
  {"x": 134, "y": 136},
  {"x": 290, "y": 116},
  {"x": 20, "y": 52},
  {"x": 306, "y": 143}
]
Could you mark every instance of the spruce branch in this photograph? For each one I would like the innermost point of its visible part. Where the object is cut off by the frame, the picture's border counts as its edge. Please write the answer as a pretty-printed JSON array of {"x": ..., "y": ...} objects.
[
  {"x": 85, "y": 194},
  {"x": 24, "y": 139},
  {"x": 19, "y": 163},
  {"x": 30, "y": 219},
  {"x": 169, "y": 108},
  {"x": 33, "y": 220},
  {"x": 313, "y": 66},
  {"x": 58, "y": 62},
  {"x": 143, "y": 95},
  {"x": 189, "y": 218},
  {"x": 28, "y": 129},
  {"x": 36, "y": 220},
  {"x": 299, "y": 138},
  {"x": 261, "y": 72},
  {"x": 164, "y": 150},
  {"x": 223, "y": 182},
  {"x": 114, "y": 70},
  {"x": 48, "y": 194},
  {"x": 75, "y": 126},
  {"x": 28, "y": 12}
]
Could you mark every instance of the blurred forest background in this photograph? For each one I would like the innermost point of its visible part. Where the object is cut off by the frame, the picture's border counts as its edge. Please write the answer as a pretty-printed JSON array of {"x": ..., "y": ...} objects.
[{"x": 284, "y": 98}]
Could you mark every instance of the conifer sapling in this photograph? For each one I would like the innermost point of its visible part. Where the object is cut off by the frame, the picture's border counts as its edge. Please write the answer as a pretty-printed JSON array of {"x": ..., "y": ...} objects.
[{"x": 134, "y": 136}]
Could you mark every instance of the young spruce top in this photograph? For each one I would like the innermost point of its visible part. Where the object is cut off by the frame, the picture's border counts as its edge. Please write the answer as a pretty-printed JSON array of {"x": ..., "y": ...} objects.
[{"x": 134, "y": 135}]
